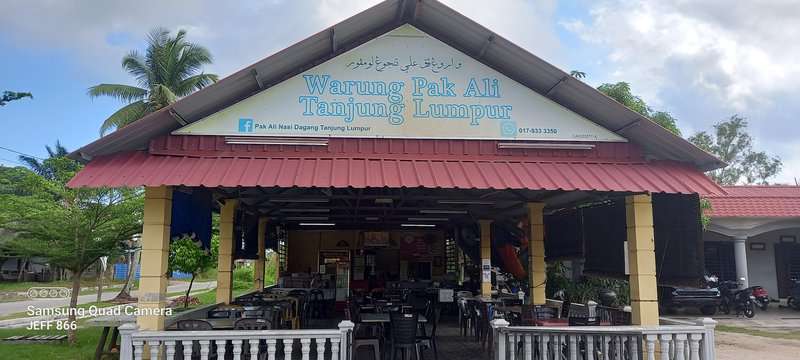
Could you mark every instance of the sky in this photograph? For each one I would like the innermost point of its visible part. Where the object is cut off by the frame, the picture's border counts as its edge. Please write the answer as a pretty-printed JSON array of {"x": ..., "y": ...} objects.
[{"x": 702, "y": 61}]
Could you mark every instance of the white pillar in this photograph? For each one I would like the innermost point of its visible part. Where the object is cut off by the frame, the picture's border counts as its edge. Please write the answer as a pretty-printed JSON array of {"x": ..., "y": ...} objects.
[{"x": 740, "y": 255}]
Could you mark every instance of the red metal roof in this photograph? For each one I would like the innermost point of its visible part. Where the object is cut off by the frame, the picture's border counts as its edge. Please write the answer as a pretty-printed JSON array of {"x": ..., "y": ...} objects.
[
  {"x": 361, "y": 163},
  {"x": 757, "y": 201}
]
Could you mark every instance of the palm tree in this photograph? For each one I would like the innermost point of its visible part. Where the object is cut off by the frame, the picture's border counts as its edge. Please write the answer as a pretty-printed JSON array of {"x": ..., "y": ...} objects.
[
  {"x": 47, "y": 169},
  {"x": 166, "y": 72}
]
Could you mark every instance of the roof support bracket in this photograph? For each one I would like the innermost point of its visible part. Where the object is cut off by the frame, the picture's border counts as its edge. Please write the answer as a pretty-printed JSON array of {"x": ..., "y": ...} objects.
[
  {"x": 178, "y": 117},
  {"x": 258, "y": 79},
  {"x": 628, "y": 126},
  {"x": 334, "y": 46},
  {"x": 485, "y": 46},
  {"x": 553, "y": 88}
]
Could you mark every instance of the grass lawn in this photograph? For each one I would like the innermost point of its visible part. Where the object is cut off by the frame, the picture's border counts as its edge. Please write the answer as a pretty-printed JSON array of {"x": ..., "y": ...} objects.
[
  {"x": 790, "y": 335},
  {"x": 84, "y": 349}
]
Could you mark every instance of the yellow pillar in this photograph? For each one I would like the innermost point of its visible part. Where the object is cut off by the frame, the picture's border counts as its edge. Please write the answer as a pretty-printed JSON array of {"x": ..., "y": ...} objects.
[
  {"x": 486, "y": 256},
  {"x": 537, "y": 269},
  {"x": 225, "y": 261},
  {"x": 259, "y": 271},
  {"x": 154, "y": 256},
  {"x": 642, "y": 259}
]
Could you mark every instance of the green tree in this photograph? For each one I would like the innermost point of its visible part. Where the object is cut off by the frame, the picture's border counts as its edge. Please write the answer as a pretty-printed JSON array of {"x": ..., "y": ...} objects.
[
  {"x": 621, "y": 92},
  {"x": 9, "y": 96},
  {"x": 45, "y": 169},
  {"x": 72, "y": 228},
  {"x": 167, "y": 71},
  {"x": 187, "y": 255},
  {"x": 731, "y": 142}
]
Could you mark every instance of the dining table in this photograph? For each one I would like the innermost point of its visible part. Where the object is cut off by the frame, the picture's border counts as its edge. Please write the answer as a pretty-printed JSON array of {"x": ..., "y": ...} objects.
[
  {"x": 216, "y": 323},
  {"x": 382, "y": 318}
]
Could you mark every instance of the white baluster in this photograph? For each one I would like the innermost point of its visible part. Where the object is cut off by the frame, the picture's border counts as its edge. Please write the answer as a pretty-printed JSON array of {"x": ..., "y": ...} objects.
[
  {"x": 605, "y": 347},
  {"x": 512, "y": 347},
  {"x": 621, "y": 347},
  {"x": 271, "y": 349},
  {"x": 544, "y": 339},
  {"x": 680, "y": 343},
  {"x": 138, "y": 349},
  {"x": 287, "y": 348},
  {"x": 650, "y": 346},
  {"x": 204, "y": 348},
  {"x": 694, "y": 344},
  {"x": 589, "y": 347},
  {"x": 186, "y": 345},
  {"x": 664, "y": 342},
  {"x": 170, "y": 352},
  {"x": 305, "y": 347},
  {"x": 320, "y": 348},
  {"x": 253, "y": 344},
  {"x": 237, "y": 349},
  {"x": 221, "y": 345},
  {"x": 573, "y": 346},
  {"x": 335, "y": 349},
  {"x": 155, "y": 347},
  {"x": 633, "y": 347},
  {"x": 528, "y": 347}
]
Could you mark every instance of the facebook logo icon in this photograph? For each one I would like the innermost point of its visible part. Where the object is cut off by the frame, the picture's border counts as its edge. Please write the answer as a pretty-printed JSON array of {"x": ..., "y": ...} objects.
[{"x": 246, "y": 125}]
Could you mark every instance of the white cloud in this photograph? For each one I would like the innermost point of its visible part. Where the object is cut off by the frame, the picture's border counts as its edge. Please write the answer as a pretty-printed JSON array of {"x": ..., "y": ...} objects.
[
  {"x": 706, "y": 60},
  {"x": 238, "y": 34}
]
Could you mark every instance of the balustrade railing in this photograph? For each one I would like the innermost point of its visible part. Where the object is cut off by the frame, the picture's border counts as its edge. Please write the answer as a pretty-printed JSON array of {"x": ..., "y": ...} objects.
[
  {"x": 665, "y": 342},
  {"x": 333, "y": 344}
]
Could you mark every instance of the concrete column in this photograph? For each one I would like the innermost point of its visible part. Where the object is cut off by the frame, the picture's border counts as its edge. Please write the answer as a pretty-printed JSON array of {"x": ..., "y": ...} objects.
[
  {"x": 740, "y": 255},
  {"x": 259, "y": 270},
  {"x": 642, "y": 259},
  {"x": 154, "y": 256},
  {"x": 537, "y": 269},
  {"x": 486, "y": 255},
  {"x": 225, "y": 261}
]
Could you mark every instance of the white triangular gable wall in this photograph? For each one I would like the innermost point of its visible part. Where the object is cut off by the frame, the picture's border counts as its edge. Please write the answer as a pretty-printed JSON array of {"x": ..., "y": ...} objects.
[{"x": 402, "y": 84}]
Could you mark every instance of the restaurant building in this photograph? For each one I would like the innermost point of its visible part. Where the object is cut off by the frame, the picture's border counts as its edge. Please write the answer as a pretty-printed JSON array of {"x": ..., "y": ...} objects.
[{"x": 400, "y": 144}]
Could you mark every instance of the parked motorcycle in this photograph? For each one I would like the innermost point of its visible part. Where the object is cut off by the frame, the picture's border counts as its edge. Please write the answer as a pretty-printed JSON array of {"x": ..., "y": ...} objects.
[
  {"x": 761, "y": 297},
  {"x": 793, "y": 301},
  {"x": 733, "y": 299}
]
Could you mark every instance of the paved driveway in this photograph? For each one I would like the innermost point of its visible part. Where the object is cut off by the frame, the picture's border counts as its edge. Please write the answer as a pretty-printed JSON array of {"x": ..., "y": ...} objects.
[{"x": 21, "y": 306}]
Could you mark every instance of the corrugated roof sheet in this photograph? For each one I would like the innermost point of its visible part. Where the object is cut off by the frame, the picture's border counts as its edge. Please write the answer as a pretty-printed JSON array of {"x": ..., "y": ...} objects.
[
  {"x": 439, "y": 21},
  {"x": 139, "y": 168},
  {"x": 757, "y": 201}
]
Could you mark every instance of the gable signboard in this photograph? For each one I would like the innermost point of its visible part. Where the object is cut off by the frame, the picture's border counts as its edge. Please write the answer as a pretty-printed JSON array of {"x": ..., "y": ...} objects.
[{"x": 403, "y": 84}]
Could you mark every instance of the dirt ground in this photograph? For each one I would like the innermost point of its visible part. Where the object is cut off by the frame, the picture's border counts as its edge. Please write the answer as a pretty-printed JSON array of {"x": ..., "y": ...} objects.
[{"x": 731, "y": 346}]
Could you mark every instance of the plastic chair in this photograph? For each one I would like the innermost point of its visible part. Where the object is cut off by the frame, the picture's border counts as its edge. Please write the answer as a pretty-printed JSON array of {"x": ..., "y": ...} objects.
[
  {"x": 404, "y": 335},
  {"x": 429, "y": 341},
  {"x": 194, "y": 325},
  {"x": 317, "y": 303},
  {"x": 252, "y": 324},
  {"x": 359, "y": 338}
]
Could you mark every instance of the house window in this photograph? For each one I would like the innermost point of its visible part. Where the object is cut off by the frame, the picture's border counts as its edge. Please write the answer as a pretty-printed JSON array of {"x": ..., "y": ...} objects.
[
  {"x": 451, "y": 253},
  {"x": 719, "y": 259}
]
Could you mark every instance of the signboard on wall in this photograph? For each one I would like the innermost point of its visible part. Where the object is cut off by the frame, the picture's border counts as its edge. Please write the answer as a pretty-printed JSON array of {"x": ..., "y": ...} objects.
[{"x": 403, "y": 84}]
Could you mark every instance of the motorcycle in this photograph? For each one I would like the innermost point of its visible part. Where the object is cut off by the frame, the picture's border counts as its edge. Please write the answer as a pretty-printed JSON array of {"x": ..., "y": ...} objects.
[
  {"x": 793, "y": 301},
  {"x": 740, "y": 301},
  {"x": 761, "y": 297}
]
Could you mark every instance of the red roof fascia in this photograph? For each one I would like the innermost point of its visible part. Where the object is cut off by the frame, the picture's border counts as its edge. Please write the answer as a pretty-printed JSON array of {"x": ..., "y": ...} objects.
[{"x": 396, "y": 163}]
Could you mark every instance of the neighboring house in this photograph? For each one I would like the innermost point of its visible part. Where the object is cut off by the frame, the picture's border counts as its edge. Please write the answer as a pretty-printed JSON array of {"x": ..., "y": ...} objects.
[{"x": 755, "y": 234}]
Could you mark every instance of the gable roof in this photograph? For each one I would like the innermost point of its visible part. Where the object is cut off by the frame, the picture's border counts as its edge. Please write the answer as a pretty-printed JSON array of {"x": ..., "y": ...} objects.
[
  {"x": 757, "y": 201},
  {"x": 439, "y": 21}
]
